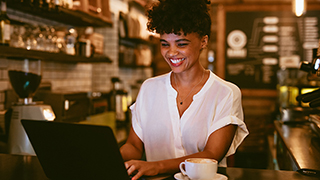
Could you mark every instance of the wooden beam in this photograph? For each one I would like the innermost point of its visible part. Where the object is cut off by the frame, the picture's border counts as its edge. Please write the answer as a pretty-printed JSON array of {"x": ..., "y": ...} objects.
[{"x": 221, "y": 34}]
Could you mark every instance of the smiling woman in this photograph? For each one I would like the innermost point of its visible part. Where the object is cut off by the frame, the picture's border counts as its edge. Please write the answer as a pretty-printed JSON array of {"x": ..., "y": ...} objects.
[
  {"x": 188, "y": 112},
  {"x": 177, "y": 49}
]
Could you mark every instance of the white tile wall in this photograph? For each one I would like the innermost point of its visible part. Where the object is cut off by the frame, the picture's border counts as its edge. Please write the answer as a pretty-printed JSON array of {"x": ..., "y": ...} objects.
[{"x": 3, "y": 85}]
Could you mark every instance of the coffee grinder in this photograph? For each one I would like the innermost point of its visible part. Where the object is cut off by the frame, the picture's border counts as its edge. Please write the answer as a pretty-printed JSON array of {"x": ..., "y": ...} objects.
[{"x": 25, "y": 77}]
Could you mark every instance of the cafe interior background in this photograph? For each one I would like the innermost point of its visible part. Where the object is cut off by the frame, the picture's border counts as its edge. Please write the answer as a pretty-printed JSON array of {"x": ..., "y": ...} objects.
[{"x": 257, "y": 44}]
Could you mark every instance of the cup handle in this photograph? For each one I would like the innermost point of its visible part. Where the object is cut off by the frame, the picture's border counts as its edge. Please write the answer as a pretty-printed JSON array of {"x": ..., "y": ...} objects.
[{"x": 181, "y": 168}]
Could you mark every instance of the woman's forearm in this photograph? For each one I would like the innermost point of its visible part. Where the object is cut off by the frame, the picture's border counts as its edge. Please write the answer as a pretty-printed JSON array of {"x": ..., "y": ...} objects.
[{"x": 133, "y": 148}]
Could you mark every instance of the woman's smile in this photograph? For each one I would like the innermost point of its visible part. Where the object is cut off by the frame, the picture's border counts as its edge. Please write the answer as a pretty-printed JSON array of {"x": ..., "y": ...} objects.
[{"x": 176, "y": 61}]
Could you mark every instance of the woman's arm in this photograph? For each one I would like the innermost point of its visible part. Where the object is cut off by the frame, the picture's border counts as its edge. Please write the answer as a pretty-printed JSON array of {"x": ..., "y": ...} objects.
[
  {"x": 216, "y": 148},
  {"x": 133, "y": 148}
]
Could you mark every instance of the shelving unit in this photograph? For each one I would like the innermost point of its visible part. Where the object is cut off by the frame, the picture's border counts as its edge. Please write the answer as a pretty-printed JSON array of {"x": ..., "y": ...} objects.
[
  {"x": 133, "y": 43},
  {"x": 67, "y": 16},
  {"x": 19, "y": 53},
  {"x": 63, "y": 15}
]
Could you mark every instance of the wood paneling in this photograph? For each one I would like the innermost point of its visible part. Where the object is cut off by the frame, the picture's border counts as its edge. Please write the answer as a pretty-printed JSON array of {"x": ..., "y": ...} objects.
[{"x": 259, "y": 107}]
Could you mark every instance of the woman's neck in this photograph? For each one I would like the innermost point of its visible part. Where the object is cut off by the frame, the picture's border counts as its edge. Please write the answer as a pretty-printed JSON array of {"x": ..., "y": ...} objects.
[{"x": 186, "y": 79}]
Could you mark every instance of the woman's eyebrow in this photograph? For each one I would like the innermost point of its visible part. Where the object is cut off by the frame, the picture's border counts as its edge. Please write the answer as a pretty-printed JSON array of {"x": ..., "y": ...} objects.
[{"x": 179, "y": 40}]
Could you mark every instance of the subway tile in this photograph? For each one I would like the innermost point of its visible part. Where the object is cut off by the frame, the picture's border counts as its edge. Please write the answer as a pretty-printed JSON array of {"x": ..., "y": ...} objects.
[
  {"x": 4, "y": 63},
  {"x": 1, "y": 74},
  {"x": 45, "y": 75},
  {"x": 4, "y": 85},
  {"x": 2, "y": 97}
]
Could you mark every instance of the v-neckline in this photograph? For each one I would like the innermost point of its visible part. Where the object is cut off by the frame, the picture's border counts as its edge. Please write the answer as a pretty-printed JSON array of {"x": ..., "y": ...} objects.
[{"x": 176, "y": 105}]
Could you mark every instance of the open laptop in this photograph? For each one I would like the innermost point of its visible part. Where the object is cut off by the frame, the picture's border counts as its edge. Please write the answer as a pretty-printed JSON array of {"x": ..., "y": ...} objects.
[{"x": 76, "y": 151}]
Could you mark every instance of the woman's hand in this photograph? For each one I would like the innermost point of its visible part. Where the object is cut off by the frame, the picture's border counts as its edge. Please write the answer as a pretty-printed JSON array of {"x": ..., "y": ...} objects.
[{"x": 142, "y": 168}]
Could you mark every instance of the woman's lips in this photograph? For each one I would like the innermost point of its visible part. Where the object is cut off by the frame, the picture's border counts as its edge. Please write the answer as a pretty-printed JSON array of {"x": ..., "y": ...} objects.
[{"x": 176, "y": 61}]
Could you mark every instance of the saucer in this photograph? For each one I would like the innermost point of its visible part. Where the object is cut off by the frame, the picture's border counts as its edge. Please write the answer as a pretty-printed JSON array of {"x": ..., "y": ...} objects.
[{"x": 180, "y": 176}]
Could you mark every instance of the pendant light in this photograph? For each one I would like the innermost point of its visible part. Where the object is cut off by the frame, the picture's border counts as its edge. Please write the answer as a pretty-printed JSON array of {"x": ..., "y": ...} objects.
[{"x": 299, "y": 7}]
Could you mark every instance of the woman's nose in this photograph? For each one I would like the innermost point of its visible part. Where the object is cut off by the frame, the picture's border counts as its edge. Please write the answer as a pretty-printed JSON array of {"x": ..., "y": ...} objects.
[{"x": 173, "y": 51}]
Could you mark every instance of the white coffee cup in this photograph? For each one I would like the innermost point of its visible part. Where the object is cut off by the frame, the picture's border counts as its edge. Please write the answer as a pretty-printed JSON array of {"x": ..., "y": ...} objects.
[{"x": 199, "y": 168}]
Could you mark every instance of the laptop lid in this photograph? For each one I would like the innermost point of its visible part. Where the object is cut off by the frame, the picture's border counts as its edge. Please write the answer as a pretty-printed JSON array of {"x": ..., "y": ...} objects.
[{"x": 76, "y": 151}]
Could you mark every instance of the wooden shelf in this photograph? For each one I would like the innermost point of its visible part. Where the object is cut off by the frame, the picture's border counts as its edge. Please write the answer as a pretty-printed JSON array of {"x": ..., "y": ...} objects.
[
  {"x": 63, "y": 15},
  {"x": 19, "y": 53}
]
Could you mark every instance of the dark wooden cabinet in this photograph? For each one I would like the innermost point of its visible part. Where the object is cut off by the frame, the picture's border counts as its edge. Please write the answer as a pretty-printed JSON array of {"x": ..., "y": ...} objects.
[{"x": 67, "y": 106}]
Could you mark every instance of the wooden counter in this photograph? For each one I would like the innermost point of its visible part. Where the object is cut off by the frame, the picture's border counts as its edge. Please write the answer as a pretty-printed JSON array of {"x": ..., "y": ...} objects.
[
  {"x": 298, "y": 147},
  {"x": 17, "y": 167}
]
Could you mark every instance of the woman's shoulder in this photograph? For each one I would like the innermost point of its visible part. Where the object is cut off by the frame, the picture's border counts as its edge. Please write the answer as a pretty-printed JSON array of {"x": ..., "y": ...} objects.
[
  {"x": 226, "y": 84},
  {"x": 155, "y": 81}
]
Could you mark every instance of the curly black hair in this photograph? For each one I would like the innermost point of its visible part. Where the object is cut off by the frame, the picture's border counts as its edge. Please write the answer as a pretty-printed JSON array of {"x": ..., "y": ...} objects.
[{"x": 176, "y": 16}]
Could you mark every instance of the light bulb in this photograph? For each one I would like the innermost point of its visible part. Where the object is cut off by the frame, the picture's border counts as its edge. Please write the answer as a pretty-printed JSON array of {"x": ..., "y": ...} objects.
[{"x": 299, "y": 7}]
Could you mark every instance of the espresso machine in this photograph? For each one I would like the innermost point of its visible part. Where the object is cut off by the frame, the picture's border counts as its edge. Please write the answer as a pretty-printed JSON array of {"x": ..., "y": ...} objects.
[
  {"x": 313, "y": 69},
  {"x": 313, "y": 97},
  {"x": 25, "y": 77}
]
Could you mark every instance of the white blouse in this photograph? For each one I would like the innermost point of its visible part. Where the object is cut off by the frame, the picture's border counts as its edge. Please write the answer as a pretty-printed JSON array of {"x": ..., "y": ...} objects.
[{"x": 156, "y": 120}]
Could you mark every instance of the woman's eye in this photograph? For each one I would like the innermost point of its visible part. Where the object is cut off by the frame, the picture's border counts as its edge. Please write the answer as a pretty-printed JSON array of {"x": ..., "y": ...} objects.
[
  {"x": 164, "y": 45},
  {"x": 182, "y": 44}
]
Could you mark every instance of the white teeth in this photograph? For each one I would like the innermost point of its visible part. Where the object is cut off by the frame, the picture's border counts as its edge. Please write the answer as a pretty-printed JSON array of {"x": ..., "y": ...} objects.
[{"x": 176, "y": 60}]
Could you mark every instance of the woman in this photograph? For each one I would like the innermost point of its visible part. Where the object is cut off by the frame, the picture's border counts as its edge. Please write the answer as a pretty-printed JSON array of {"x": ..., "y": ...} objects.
[{"x": 188, "y": 112}]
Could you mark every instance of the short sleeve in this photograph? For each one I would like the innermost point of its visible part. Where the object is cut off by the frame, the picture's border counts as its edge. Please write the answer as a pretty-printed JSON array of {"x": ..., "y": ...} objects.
[
  {"x": 230, "y": 111},
  {"x": 135, "y": 122},
  {"x": 240, "y": 134}
]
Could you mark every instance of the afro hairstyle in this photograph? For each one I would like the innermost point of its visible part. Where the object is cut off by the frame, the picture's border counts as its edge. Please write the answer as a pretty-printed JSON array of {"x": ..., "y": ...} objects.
[{"x": 180, "y": 16}]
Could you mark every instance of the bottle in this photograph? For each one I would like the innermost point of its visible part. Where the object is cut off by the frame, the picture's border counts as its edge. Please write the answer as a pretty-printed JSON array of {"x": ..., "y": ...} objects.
[
  {"x": 118, "y": 101},
  {"x": 69, "y": 4},
  {"x": 4, "y": 25},
  {"x": 113, "y": 93},
  {"x": 60, "y": 43},
  {"x": 71, "y": 41},
  {"x": 57, "y": 4}
]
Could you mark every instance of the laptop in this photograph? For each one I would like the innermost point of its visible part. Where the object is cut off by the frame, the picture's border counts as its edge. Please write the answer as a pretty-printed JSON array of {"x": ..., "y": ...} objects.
[{"x": 76, "y": 151}]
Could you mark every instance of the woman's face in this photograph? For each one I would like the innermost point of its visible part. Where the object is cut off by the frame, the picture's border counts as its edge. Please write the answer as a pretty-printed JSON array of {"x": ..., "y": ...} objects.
[{"x": 182, "y": 51}]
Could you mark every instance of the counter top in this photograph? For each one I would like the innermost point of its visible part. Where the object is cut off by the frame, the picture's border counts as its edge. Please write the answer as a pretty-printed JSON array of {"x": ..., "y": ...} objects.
[
  {"x": 19, "y": 167},
  {"x": 302, "y": 144}
]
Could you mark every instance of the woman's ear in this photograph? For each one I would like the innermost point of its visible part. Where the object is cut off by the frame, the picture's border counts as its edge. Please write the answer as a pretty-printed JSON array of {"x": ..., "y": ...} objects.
[{"x": 204, "y": 41}]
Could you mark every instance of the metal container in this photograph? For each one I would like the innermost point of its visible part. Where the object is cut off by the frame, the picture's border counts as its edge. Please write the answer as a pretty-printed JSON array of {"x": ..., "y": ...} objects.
[
  {"x": 297, "y": 114},
  {"x": 67, "y": 105}
]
